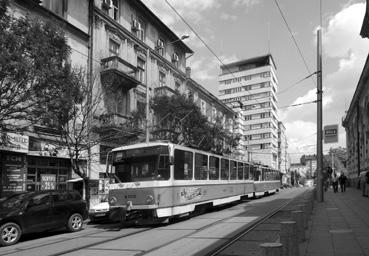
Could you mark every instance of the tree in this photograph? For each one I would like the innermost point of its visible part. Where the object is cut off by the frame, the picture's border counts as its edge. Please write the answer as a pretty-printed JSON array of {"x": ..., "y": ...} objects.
[
  {"x": 180, "y": 121},
  {"x": 33, "y": 65}
]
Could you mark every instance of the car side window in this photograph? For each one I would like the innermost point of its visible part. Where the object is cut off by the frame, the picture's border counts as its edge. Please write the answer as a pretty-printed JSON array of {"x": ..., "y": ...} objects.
[{"x": 39, "y": 200}]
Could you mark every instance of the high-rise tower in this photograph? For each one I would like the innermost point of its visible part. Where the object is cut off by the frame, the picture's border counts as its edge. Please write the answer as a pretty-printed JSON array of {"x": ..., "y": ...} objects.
[{"x": 250, "y": 87}]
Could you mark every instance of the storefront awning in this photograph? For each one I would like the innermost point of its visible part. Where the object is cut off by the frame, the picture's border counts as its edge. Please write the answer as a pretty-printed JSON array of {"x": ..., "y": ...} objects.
[{"x": 75, "y": 180}]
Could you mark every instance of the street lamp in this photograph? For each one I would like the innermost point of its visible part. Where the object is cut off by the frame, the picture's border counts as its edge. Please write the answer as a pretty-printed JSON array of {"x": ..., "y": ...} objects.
[{"x": 147, "y": 85}]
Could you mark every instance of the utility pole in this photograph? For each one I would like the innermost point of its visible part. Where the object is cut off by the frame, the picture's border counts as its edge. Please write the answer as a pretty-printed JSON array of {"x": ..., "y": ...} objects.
[{"x": 320, "y": 196}]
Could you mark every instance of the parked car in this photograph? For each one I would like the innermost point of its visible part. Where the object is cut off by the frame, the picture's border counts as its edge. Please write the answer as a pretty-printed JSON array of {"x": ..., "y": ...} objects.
[
  {"x": 39, "y": 211},
  {"x": 99, "y": 212}
]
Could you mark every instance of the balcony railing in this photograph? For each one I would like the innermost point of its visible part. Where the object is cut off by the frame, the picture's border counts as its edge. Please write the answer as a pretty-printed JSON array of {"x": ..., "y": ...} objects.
[
  {"x": 111, "y": 121},
  {"x": 118, "y": 72},
  {"x": 164, "y": 91},
  {"x": 115, "y": 122}
]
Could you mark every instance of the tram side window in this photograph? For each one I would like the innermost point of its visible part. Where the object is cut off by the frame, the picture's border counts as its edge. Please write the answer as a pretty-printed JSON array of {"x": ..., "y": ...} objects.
[
  {"x": 233, "y": 170},
  {"x": 240, "y": 171},
  {"x": 213, "y": 168},
  {"x": 164, "y": 168},
  {"x": 246, "y": 171},
  {"x": 183, "y": 161},
  {"x": 263, "y": 173},
  {"x": 224, "y": 171},
  {"x": 201, "y": 167},
  {"x": 252, "y": 172},
  {"x": 257, "y": 175}
]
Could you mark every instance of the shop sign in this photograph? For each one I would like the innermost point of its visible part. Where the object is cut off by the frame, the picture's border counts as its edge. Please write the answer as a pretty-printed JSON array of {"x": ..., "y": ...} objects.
[
  {"x": 14, "y": 142},
  {"x": 14, "y": 173},
  {"x": 48, "y": 181}
]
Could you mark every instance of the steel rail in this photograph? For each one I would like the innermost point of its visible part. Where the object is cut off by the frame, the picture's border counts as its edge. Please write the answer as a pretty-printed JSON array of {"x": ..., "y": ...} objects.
[{"x": 254, "y": 224}]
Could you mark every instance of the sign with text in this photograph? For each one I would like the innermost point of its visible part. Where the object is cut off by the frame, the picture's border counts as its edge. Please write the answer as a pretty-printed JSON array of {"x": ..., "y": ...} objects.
[
  {"x": 331, "y": 133},
  {"x": 48, "y": 181},
  {"x": 14, "y": 142}
]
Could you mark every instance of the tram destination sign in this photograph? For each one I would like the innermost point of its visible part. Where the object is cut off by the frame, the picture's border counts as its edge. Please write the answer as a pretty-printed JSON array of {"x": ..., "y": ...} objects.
[{"x": 331, "y": 133}]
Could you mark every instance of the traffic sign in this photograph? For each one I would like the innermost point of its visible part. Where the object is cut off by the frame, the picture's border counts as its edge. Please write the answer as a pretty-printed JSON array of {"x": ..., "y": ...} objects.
[{"x": 331, "y": 133}]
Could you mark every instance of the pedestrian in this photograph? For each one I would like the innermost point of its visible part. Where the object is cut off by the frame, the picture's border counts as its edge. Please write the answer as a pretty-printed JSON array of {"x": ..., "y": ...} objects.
[
  {"x": 335, "y": 183},
  {"x": 342, "y": 180}
]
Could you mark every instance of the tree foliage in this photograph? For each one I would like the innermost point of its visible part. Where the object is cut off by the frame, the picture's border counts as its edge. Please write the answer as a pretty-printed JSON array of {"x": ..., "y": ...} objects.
[
  {"x": 179, "y": 120},
  {"x": 33, "y": 67}
]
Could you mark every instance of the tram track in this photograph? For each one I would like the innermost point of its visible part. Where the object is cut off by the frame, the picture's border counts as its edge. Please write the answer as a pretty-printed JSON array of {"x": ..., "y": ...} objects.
[
  {"x": 186, "y": 229},
  {"x": 250, "y": 228},
  {"x": 213, "y": 252}
]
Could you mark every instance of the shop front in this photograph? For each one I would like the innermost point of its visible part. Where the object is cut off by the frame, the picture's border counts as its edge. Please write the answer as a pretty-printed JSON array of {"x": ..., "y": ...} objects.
[{"x": 13, "y": 163}]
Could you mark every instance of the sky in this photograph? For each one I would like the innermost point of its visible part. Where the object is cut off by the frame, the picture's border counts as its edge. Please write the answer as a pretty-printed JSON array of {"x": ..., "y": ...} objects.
[{"x": 241, "y": 29}]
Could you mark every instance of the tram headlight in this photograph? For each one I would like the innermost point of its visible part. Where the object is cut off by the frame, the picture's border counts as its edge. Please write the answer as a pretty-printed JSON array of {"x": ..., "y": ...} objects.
[
  {"x": 113, "y": 201},
  {"x": 150, "y": 199}
]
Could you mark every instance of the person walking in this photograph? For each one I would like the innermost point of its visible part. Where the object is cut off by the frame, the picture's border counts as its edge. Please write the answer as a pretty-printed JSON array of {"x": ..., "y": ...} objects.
[
  {"x": 335, "y": 183},
  {"x": 342, "y": 180}
]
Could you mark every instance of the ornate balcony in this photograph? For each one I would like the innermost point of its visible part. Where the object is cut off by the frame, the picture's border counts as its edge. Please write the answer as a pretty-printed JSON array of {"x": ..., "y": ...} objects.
[
  {"x": 118, "y": 72},
  {"x": 164, "y": 91},
  {"x": 110, "y": 122}
]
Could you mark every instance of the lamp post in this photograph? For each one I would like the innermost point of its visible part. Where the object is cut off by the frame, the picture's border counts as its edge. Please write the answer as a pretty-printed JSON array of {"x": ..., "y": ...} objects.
[{"x": 147, "y": 87}]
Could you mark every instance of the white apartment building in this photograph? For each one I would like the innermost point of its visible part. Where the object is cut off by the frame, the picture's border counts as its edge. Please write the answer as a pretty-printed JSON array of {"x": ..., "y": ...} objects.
[
  {"x": 250, "y": 87},
  {"x": 283, "y": 159}
]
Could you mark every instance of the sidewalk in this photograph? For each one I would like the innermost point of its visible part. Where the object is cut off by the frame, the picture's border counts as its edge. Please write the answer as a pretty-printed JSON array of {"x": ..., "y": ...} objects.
[{"x": 339, "y": 226}]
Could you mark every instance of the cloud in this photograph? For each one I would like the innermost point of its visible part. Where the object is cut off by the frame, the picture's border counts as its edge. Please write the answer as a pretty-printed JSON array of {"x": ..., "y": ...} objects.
[
  {"x": 341, "y": 44},
  {"x": 226, "y": 16},
  {"x": 237, "y": 3},
  {"x": 341, "y": 37}
]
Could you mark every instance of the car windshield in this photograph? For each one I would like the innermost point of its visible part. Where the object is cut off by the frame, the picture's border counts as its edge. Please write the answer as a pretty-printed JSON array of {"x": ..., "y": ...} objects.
[{"x": 13, "y": 201}]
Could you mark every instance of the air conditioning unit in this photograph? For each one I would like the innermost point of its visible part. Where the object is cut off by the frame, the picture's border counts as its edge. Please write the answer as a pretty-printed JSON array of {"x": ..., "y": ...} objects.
[
  {"x": 175, "y": 57},
  {"x": 106, "y": 4},
  {"x": 159, "y": 44}
]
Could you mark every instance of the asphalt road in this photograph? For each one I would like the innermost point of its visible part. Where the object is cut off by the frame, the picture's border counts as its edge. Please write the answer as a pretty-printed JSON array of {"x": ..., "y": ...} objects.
[{"x": 194, "y": 236}]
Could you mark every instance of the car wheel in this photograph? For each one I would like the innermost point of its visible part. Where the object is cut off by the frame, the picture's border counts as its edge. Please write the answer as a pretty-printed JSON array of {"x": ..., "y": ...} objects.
[
  {"x": 75, "y": 222},
  {"x": 10, "y": 234}
]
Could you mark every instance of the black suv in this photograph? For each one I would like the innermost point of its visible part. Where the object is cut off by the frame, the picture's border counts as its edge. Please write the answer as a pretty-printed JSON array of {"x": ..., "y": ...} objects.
[{"x": 39, "y": 211}]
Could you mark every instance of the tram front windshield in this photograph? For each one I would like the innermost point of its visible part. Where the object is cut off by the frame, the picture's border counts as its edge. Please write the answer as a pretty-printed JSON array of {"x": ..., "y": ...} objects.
[{"x": 142, "y": 164}]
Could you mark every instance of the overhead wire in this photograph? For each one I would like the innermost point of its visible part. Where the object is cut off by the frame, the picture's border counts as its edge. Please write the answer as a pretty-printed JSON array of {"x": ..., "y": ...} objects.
[
  {"x": 293, "y": 38},
  {"x": 207, "y": 46},
  {"x": 297, "y": 83}
]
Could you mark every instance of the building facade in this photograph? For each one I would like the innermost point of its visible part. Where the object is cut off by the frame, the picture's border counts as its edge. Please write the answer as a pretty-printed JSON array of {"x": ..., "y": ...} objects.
[
  {"x": 32, "y": 159},
  {"x": 130, "y": 56},
  {"x": 283, "y": 157},
  {"x": 250, "y": 87},
  {"x": 356, "y": 123}
]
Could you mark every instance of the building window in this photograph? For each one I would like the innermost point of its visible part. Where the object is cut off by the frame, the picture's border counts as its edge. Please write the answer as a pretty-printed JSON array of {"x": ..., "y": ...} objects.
[
  {"x": 58, "y": 7},
  {"x": 203, "y": 107},
  {"x": 141, "y": 70},
  {"x": 160, "y": 46},
  {"x": 113, "y": 48},
  {"x": 138, "y": 28},
  {"x": 115, "y": 10},
  {"x": 175, "y": 59},
  {"x": 162, "y": 79}
]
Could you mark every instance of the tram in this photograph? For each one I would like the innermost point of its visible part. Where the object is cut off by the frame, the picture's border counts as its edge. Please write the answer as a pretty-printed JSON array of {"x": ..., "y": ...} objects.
[{"x": 160, "y": 180}]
